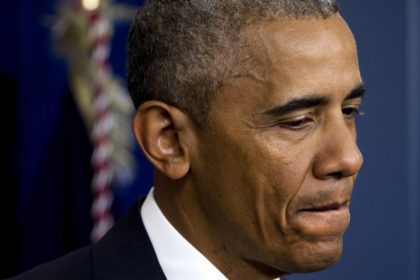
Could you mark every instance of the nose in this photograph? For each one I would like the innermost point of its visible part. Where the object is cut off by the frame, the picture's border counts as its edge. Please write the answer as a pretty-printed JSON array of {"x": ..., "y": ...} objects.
[{"x": 339, "y": 155}]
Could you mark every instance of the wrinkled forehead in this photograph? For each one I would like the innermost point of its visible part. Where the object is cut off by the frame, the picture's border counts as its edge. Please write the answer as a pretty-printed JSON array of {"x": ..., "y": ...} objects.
[
  {"x": 292, "y": 58},
  {"x": 278, "y": 43}
]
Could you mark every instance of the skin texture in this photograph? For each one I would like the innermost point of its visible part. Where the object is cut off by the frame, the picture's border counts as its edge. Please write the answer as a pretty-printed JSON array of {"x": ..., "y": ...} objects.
[{"x": 264, "y": 189}]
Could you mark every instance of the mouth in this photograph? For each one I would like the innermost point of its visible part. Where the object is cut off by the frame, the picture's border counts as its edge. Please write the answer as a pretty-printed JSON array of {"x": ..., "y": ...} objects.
[
  {"x": 323, "y": 215},
  {"x": 324, "y": 219},
  {"x": 334, "y": 206}
]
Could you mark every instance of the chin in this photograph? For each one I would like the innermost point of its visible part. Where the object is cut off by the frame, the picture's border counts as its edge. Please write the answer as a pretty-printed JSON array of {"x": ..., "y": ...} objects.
[{"x": 315, "y": 256}]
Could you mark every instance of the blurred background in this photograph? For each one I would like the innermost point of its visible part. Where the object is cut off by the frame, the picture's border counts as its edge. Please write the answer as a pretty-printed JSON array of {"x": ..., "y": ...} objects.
[{"x": 68, "y": 168}]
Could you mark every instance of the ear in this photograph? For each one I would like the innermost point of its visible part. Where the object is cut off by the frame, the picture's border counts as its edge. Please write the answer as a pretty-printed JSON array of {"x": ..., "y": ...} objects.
[{"x": 161, "y": 130}]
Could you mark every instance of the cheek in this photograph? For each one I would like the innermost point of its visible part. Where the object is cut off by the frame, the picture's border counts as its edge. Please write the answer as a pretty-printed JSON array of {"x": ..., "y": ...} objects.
[
  {"x": 254, "y": 179},
  {"x": 282, "y": 170},
  {"x": 282, "y": 175},
  {"x": 272, "y": 179}
]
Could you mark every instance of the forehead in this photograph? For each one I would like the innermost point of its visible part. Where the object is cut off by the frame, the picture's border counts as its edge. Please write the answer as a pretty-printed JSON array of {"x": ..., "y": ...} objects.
[
  {"x": 299, "y": 35},
  {"x": 291, "y": 50},
  {"x": 294, "y": 57}
]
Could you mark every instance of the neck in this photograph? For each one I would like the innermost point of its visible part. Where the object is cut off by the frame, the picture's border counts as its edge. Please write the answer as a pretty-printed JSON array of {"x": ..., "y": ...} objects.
[{"x": 181, "y": 206}]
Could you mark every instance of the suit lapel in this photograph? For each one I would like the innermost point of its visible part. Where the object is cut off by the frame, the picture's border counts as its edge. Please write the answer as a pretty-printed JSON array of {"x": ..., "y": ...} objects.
[{"x": 126, "y": 253}]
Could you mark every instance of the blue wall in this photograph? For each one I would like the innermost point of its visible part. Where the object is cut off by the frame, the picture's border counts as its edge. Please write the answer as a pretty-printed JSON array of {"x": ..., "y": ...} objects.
[{"x": 382, "y": 241}]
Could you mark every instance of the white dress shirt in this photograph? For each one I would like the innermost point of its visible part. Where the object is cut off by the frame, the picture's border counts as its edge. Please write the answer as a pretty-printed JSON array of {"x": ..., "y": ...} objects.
[{"x": 178, "y": 259}]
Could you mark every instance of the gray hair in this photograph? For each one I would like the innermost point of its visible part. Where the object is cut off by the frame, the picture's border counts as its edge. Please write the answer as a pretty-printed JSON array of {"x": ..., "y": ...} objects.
[{"x": 181, "y": 52}]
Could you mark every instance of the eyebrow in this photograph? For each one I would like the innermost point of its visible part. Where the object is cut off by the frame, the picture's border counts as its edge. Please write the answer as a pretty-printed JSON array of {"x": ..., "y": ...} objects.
[
  {"x": 357, "y": 92},
  {"x": 311, "y": 101}
]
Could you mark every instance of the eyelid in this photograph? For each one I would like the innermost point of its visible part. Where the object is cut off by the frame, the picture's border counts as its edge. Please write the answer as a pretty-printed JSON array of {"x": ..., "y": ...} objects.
[
  {"x": 296, "y": 123},
  {"x": 353, "y": 102},
  {"x": 355, "y": 110}
]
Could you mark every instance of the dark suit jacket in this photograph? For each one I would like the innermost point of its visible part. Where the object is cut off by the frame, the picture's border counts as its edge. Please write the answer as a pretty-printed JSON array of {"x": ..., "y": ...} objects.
[{"x": 125, "y": 253}]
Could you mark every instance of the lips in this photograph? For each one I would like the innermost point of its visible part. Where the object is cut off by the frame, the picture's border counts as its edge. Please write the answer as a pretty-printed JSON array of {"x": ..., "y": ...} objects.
[
  {"x": 323, "y": 220},
  {"x": 334, "y": 206}
]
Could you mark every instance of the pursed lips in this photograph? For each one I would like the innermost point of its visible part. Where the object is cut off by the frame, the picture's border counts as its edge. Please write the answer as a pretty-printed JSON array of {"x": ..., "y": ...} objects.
[{"x": 333, "y": 206}]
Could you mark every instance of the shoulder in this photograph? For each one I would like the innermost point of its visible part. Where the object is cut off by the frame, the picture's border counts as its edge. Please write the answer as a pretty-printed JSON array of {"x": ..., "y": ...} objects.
[
  {"x": 124, "y": 253},
  {"x": 75, "y": 265}
]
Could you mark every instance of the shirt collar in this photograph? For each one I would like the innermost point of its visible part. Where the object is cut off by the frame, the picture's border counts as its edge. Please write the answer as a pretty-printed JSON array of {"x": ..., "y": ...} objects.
[{"x": 177, "y": 257}]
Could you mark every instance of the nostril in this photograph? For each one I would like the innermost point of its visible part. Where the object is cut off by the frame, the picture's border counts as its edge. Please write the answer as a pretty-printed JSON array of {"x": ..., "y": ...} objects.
[{"x": 337, "y": 175}]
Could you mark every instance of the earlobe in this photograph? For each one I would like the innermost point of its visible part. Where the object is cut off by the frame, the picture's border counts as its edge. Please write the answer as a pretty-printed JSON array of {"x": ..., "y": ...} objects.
[{"x": 157, "y": 127}]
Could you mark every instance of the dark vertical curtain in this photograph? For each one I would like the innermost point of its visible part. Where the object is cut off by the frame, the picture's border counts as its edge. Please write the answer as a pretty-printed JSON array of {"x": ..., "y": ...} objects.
[{"x": 45, "y": 148}]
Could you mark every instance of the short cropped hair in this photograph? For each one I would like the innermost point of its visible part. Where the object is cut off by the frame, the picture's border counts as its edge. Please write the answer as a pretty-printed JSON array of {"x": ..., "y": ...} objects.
[{"x": 181, "y": 52}]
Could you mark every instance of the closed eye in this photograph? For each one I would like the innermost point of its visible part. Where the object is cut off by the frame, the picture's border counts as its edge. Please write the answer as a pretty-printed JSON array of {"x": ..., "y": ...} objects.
[
  {"x": 351, "y": 111},
  {"x": 296, "y": 123}
]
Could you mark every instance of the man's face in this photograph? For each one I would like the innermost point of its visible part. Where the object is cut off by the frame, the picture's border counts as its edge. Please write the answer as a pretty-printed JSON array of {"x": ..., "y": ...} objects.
[{"x": 275, "y": 167}]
